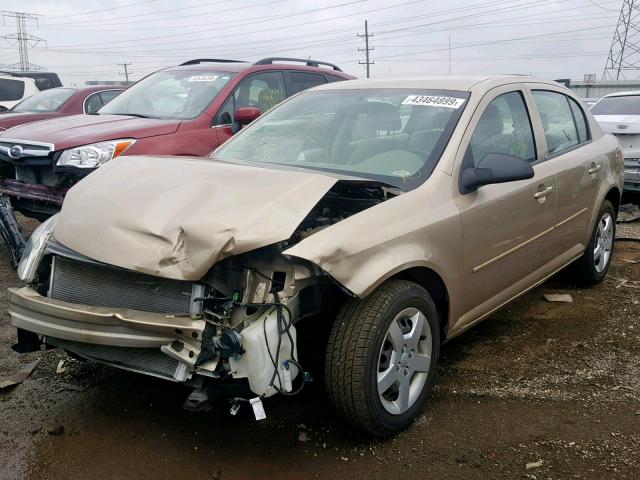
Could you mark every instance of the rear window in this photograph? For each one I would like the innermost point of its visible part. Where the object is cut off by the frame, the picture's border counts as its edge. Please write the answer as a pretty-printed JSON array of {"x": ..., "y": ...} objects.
[
  {"x": 47, "y": 101},
  {"x": 302, "y": 80},
  {"x": 625, "y": 105},
  {"x": 11, "y": 90}
]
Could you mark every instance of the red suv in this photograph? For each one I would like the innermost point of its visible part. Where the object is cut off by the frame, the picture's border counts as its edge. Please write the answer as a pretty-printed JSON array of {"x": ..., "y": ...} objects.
[{"x": 190, "y": 110}]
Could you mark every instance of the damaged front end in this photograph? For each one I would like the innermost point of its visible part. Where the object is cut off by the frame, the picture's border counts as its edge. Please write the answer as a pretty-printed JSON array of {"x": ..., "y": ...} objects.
[{"x": 237, "y": 325}]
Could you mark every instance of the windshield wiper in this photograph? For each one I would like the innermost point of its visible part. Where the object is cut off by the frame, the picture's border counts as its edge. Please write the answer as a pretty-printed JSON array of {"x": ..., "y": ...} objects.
[{"x": 139, "y": 115}]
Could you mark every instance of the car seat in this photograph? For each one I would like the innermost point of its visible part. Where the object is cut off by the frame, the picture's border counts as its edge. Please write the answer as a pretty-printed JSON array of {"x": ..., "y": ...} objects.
[{"x": 380, "y": 117}]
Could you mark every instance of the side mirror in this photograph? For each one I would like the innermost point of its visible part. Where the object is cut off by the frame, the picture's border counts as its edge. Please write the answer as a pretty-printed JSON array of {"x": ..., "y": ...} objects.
[
  {"x": 244, "y": 116},
  {"x": 494, "y": 168}
]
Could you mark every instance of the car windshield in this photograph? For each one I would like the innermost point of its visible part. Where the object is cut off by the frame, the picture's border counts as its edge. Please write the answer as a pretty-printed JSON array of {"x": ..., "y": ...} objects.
[
  {"x": 624, "y": 105},
  {"x": 47, "y": 101},
  {"x": 171, "y": 94},
  {"x": 395, "y": 136}
]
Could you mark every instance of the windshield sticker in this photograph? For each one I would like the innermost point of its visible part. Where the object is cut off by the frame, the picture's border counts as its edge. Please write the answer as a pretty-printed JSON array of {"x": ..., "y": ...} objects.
[
  {"x": 401, "y": 173},
  {"x": 203, "y": 78},
  {"x": 431, "y": 101}
]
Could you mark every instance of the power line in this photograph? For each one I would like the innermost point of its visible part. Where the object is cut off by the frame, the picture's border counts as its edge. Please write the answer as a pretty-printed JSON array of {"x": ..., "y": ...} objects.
[
  {"x": 22, "y": 39},
  {"x": 182, "y": 34},
  {"x": 526, "y": 5},
  {"x": 104, "y": 9},
  {"x": 601, "y": 7},
  {"x": 366, "y": 35}
]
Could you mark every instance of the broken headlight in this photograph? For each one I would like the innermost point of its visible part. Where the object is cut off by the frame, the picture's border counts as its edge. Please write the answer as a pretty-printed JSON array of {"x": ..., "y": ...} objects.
[
  {"x": 34, "y": 249},
  {"x": 95, "y": 154}
]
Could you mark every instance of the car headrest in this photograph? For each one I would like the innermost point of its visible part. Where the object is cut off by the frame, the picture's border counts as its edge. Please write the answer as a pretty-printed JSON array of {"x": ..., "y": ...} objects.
[{"x": 383, "y": 116}]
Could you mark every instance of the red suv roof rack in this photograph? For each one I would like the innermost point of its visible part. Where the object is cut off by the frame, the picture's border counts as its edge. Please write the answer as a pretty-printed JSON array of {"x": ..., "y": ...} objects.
[
  {"x": 196, "y": 61},
  {"x": 308, "y": 62}
]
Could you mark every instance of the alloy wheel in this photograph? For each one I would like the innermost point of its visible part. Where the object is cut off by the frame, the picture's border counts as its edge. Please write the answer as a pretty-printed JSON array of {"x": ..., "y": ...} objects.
[
  {"x": 603, "y": 243},
  {"x": 404, "y": 361}
]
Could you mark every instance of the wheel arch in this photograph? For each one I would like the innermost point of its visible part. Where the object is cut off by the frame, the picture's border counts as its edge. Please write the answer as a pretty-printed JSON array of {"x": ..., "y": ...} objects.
[
  {"x": 614, "y": 196},
  {"x": 433, "y": 283}
]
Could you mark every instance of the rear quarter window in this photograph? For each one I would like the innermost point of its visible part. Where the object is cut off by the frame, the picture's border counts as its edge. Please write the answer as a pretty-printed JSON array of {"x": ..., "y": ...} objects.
[{"x": 11, "y": 90}]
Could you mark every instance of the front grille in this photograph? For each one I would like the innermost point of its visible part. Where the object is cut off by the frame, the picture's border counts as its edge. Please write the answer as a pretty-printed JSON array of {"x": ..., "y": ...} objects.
[
  {"x": 101, "y": 285},
  {"x": 31, "y": 153},
  {"x": 146, "y": 360}
]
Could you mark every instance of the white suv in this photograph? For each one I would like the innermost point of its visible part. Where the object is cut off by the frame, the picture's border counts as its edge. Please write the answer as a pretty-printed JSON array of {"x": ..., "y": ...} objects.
[{"x": 15, "y": 89}]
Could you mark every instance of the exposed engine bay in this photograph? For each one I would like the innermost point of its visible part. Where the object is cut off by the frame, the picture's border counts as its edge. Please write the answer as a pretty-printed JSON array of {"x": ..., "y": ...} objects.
[{"x": 236, "y": 324}]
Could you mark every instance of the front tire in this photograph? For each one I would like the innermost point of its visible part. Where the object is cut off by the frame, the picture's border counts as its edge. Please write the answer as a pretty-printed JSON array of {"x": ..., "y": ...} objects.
[
  {"x": 381, "y": 357},
  {"x": 592, "y": 267}
]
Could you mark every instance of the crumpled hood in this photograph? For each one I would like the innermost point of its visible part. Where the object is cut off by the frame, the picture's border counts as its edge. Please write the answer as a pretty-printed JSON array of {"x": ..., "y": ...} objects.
[
  {"x": 176, "y": 217},
  {"x": 622, "y": 124},
  {"x": 76, "y": 130}
]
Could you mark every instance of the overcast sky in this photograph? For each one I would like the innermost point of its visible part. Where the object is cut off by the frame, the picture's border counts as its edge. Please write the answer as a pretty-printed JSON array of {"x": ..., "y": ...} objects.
[{"x": 86, "y": 39}]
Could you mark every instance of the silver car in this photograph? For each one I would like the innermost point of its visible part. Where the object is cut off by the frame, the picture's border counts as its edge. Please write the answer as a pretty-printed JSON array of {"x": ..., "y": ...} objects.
[{"x": 619, "y": 114}]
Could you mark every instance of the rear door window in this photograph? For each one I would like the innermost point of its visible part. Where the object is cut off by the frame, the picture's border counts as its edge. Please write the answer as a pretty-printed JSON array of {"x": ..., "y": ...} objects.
[
  {"x": 302, "y": 80},
  {"x": 581, "y": 121},
  {"x": 557, "y": 120},
  {"x": 109, "y": 95},
  {"x": 11, "y": 90},
  {"x": 93, "y": 103}
]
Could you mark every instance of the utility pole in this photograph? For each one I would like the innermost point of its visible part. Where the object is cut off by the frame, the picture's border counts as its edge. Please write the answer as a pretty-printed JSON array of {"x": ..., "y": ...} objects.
[
  {"x": 126, "y": 70},
  {"x": 368, "y": 62},
  {"x": 22, "y": 39},
  {"x": 624, "y": 53}
]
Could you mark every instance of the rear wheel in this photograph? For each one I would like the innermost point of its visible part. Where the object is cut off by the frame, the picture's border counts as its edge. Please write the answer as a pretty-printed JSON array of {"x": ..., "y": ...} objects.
[
  {"x": 381, "y": 357},
  {"x": 592, "y": 267}
]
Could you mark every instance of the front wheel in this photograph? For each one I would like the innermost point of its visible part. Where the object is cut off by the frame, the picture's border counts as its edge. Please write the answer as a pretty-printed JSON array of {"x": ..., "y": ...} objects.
[
  {"x": 381, "y": 357},
  {"x": 592, "y": 267}
]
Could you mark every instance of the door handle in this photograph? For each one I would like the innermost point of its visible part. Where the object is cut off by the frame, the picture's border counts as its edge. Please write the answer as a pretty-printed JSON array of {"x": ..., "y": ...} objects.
[
  {"x": 595, "y": 168},
  {"x": 543, "y": 193}
]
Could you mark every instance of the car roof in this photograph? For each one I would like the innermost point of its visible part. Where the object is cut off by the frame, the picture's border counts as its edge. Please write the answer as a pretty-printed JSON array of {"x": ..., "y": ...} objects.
[
  {"x": 623, "y": 94},
  {"x": 240, "y": 66},
  {"x": 445, "y": 82},
  {"x": 98, "y": 88}
]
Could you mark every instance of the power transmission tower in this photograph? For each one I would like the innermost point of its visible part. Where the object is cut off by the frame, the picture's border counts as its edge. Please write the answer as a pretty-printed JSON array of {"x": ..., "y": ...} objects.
[
  {"x": 126, "y": 70},
  {"x": 368, "y": 62},
  {"x": 22, "y": 39},
  {"x": 624, "y": 54}
]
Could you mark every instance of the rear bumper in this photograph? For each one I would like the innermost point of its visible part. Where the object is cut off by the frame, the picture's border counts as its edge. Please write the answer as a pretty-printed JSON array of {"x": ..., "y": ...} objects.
[
  {"x": 99, "y": 325},
  {"x": 632, "y": 174}
]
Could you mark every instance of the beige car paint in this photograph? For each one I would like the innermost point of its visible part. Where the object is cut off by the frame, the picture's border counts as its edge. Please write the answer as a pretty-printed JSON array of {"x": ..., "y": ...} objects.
[
  {"x": 176, "y": 218},
  {"x": 99, "y": 325}
]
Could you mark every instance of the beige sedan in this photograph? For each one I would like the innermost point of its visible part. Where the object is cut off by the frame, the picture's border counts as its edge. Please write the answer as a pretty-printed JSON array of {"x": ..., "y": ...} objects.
[{"x": 376, "y": 218}]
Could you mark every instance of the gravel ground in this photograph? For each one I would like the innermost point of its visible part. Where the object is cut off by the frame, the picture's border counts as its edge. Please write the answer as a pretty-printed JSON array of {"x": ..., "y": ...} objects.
[{"x": 539, "y": 391}]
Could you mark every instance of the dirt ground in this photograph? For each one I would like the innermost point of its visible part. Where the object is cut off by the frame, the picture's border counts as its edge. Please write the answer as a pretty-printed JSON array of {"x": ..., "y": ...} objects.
[{"x": 552, "y": 385}]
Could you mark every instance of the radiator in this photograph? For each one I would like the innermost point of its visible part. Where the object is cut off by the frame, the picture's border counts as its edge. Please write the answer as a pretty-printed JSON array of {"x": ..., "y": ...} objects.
[
  {"x": 150, "y": 361},
  {"x": 101, "y": 285}
]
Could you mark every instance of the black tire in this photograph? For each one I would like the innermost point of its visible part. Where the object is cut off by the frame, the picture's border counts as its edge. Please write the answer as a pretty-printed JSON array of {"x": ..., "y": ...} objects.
[
  {"x": 583, "y": 271},
  {"x": 353, "y": 349}
]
